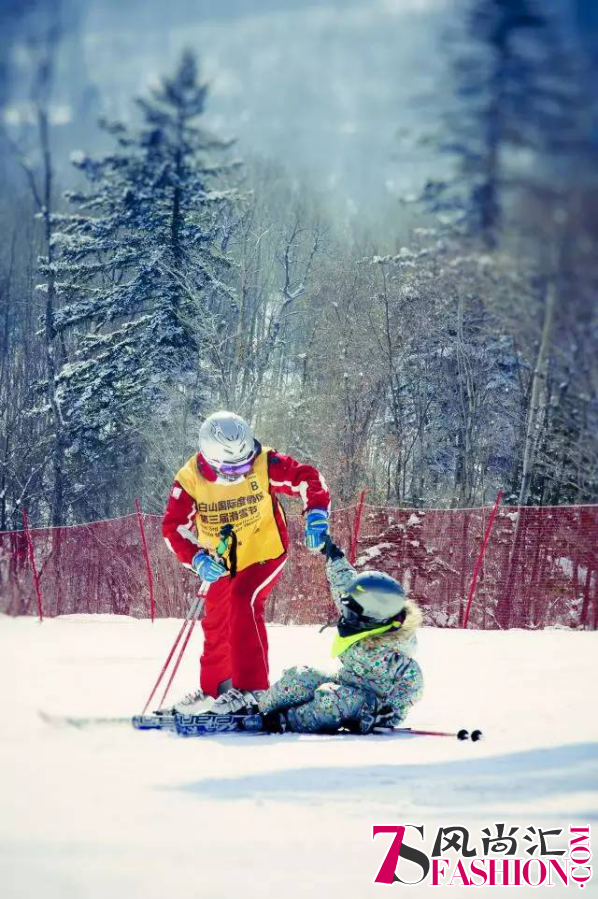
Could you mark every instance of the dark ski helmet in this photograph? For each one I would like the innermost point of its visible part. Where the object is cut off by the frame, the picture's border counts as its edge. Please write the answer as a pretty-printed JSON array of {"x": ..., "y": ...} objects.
[{"x": 373, "y": 599}]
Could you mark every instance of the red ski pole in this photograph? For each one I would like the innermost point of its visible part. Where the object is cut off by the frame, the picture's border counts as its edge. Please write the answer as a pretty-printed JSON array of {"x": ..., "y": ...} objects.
[
  {"x": 463, "y": 734},
  {"x": 193, "y": 609},
  {"x": 202, "y": 591},
  {"x": 226, "y": 534}
]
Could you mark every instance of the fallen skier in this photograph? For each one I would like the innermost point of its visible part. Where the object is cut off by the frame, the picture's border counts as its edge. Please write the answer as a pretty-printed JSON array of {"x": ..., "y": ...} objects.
[{"x": 379, "y": 679}]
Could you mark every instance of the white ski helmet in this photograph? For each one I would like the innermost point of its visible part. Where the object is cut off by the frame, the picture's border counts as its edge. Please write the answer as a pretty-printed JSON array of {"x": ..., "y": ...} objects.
[
  {"x": 227, "y": 443},
  {"x": 372, "y": 600}
]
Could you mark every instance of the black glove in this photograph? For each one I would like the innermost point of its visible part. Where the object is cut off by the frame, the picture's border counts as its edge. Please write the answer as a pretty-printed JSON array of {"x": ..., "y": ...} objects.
[
  {"x": 384, "y": 717},
  {"x": 331, "y": 550},
  {"x": 274, "y": 723},
  {"x": 375, "y": 717}
]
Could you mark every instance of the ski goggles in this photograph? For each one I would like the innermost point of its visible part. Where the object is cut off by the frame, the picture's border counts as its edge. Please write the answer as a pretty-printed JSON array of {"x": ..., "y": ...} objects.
[
  {"x": 238, "y": 468},
  {"x": 352, "y": 611},
  {"x": 352, "y": 614}
]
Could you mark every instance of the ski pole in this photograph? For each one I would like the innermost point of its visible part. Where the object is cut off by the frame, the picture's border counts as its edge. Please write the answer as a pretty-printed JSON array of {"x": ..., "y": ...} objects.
[
  {"x": 226, "y": 534},
  {"x": 191, "y": 612},
  {"x": 462, "y": 734},
  {"x": 198, "y": 610}
]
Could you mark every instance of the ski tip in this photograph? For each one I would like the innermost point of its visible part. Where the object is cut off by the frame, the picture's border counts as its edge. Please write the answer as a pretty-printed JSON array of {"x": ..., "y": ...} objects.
[
  {"x": 476, "y": 735},
  {"x": 463, "y": 734}
]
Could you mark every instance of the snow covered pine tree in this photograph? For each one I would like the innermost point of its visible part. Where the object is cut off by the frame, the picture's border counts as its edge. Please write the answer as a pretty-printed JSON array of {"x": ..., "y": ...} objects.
[{"x": 139, "y": 269}]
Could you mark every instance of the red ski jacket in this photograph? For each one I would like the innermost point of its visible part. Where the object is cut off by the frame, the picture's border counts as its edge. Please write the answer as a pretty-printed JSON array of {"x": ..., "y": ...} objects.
[{"x": 284, "y": 475}]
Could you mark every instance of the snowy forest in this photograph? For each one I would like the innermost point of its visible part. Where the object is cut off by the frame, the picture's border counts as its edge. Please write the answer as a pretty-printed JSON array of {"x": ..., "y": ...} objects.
[{"x": 371, "y": 229}]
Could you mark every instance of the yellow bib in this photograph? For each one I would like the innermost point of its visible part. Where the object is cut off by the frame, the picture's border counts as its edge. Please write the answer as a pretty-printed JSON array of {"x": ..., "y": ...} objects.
[{"x": 247, "y": 505}]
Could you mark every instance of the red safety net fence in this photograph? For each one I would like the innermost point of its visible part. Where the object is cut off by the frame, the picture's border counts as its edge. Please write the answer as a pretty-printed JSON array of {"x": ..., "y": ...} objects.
[{"x": 540, "y": 567}]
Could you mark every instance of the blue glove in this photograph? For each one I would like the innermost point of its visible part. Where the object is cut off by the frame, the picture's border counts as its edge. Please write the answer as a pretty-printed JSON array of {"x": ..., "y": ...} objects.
[
  {"x": 316, "y": 528},
  {"x": 207, "y": 568}
]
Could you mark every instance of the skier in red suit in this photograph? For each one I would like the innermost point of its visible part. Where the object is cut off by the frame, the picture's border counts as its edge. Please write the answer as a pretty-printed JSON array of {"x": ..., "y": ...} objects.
[{"x": 233, "y": 481}]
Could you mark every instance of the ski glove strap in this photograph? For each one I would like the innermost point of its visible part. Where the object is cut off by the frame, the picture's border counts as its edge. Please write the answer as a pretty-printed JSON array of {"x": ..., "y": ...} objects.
[
  {"x": 316, "y": 528},
  {"x": 207, "y": 568}
]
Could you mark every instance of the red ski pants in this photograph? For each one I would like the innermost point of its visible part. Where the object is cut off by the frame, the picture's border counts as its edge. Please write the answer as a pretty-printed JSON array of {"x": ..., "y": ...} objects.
[{"x": 235, "y": 639}]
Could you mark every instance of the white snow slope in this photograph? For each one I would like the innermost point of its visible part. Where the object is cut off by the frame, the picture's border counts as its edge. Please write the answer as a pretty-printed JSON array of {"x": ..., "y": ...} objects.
[{"x": 111, "y": 812}]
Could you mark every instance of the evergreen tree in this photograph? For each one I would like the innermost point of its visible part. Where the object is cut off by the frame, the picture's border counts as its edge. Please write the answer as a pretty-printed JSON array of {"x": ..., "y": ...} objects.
[
  {"x": 497, "y": 86},
  {"x": 139, "y": 273},
  {"x": 520, "y": 118}
]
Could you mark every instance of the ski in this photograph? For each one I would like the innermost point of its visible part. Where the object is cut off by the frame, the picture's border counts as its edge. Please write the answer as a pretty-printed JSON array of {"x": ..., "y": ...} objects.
[
  {"x": 140, "y": 722},
  {"x": 153, "y": 722},
  {"x": 207, "y": 723},
  {"x": 79, "y": 720},
  {"x": 200, "y": 725}
]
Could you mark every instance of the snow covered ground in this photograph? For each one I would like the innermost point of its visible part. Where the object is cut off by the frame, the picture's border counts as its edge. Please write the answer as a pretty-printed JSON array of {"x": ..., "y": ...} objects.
[{"x": 108, "y": 811}]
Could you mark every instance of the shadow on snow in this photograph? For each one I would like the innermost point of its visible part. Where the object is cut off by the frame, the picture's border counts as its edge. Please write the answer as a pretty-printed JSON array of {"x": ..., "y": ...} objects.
[{"x": 515, "y": 777}]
